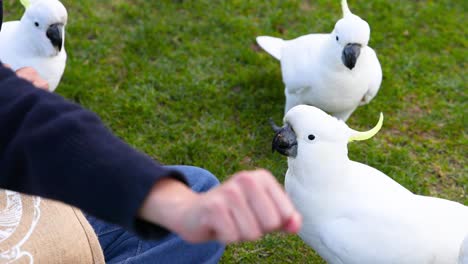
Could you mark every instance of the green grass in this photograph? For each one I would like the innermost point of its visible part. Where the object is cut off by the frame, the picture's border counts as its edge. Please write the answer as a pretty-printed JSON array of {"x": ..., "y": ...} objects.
[{"x": 184, "y": 82}]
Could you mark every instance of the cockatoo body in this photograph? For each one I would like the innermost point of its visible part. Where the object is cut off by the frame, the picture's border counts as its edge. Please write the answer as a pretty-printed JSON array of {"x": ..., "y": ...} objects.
[
  {"x": 37, "y": 40},
  {"x": 353, "y": 213},
  {"x": 335, "y": 72}
]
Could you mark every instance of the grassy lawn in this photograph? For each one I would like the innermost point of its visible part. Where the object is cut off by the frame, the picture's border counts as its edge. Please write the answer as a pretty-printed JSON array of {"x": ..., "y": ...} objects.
[{"x": 184, "y": 82}]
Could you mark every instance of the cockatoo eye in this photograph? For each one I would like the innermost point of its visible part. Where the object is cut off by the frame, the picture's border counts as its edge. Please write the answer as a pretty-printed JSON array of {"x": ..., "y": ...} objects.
[
  {"x": 311, "y": 137},
  {"x": 36, "y": 24},
  {"x": 337, "y": 38}
]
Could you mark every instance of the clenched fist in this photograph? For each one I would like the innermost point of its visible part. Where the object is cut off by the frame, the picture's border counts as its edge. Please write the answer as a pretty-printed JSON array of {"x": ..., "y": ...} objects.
[{"x": 244, "y": 208}]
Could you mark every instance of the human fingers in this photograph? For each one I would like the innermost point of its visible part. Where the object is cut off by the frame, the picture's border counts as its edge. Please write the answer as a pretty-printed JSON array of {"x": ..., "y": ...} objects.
[
  {"x": 41, "y": 84},
  {"x": 31, "y": 75},
  {"x": 27, "y": 73},
  {"x": 284, "y": 208},
  {"x": 241, "y": 212},
  {"x": 293, "y": 225},
  {"x": 216, "y": 221},
  {"x": 259, "y": 200}
]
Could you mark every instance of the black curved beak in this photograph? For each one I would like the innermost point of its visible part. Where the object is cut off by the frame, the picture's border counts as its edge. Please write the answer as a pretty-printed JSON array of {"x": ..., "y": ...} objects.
[
  {"x": 284, "y": 141},
  {"x": 350, "y": 55},
  {"x": 54, "y": 33}
]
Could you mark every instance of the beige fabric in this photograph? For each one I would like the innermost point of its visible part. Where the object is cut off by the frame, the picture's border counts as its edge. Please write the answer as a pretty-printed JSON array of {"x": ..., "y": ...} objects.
[{"x": 38, "y": 230}]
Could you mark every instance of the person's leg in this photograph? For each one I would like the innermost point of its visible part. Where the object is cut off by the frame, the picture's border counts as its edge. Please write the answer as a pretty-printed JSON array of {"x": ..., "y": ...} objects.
[{"x": 120, "y": 246}]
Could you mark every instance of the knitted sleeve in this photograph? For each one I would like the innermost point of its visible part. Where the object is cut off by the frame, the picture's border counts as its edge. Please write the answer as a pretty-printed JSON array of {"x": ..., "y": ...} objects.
[{"x": 56, "y": 149}]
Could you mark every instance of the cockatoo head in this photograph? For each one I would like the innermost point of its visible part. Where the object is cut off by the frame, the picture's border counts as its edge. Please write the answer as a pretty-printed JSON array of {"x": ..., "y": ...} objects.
[
  {"x": 44, "y": 24},
  {"x": 308, "y": 130},
  {"x": 351, "y": 34}
]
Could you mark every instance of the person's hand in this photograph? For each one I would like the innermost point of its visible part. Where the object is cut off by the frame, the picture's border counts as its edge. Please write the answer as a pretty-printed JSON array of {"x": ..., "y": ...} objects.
[
  {"x": 31, "y": 75},
  {"x": 245, "y": 207}
]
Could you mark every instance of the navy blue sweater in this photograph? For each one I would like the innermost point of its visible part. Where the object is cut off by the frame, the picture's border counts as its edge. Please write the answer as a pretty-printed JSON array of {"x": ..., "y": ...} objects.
[{"x": 53, "y": 148}]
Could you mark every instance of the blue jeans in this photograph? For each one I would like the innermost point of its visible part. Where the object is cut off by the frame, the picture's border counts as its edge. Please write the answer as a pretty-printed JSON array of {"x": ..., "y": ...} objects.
[{"x": 123, "y": 247}]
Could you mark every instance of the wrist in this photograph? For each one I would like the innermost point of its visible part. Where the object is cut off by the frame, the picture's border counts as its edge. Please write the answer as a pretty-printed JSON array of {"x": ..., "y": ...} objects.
[{"x": 166, "y": 203}]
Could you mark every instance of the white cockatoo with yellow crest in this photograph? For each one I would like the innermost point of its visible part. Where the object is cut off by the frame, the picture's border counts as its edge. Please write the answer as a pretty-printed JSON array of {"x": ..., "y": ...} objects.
[
  {"x": 37, "y": 40},
  {"x": 355, "y": 214},
  {"x": 335, "y": 72}
]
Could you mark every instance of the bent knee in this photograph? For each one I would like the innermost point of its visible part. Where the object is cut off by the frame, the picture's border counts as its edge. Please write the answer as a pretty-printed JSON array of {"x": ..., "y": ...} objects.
[{"x": 199, "y": 179}]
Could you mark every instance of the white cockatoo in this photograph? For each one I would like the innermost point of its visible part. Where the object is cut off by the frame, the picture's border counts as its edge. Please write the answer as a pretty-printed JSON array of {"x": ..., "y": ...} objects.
[
  {"x": 353, "y": 213},
  {"x": 335, "y": 72},
  {"x": 37, "y": 40}
]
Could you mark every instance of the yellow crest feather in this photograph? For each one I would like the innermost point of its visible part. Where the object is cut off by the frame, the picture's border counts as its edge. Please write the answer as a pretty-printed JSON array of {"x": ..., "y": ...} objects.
[
  {"x": 358, "y": 136},
  {"x": 345, "y": 8},
  {"x": 25, "y": 3}
]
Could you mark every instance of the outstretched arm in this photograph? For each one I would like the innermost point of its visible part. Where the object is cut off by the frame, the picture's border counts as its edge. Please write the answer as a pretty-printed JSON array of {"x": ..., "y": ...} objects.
[
  {"x": 245, "y": 207},
  {"x": 56, "y": 149}
]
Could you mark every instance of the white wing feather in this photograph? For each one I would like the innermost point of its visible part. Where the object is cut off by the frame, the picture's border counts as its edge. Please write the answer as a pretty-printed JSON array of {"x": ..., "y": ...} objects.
[{"x": 271, "y": 45}]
